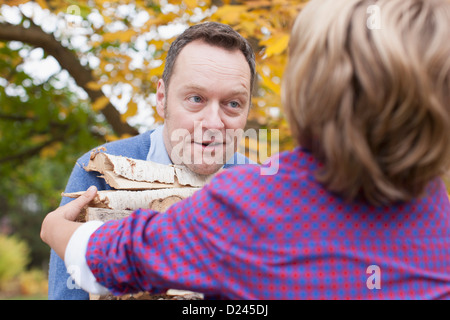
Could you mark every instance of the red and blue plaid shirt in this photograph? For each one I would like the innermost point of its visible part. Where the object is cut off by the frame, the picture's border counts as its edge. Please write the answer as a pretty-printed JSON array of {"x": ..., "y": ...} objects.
[{"x": 282, "y": 236}]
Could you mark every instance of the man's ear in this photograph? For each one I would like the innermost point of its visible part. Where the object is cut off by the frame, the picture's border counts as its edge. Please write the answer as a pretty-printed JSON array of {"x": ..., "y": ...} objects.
[{"x": 161, "y": 98}]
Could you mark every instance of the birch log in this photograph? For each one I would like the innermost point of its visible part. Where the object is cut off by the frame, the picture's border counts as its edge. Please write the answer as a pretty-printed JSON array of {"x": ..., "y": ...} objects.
[
  {"x": 102, "y": 214},
  {"x": 133, "y": 174},
  {"x": 132, "y": 200},
  {"x": 132, "y": 169}
]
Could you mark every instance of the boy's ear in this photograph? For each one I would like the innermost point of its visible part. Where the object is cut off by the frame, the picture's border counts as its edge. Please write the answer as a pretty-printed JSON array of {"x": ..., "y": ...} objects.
[{"x": 161, "y": 98}]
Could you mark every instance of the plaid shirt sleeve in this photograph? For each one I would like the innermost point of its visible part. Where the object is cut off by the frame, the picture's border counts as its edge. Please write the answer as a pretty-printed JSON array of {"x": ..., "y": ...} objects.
[{"x": 187, "y": 247}]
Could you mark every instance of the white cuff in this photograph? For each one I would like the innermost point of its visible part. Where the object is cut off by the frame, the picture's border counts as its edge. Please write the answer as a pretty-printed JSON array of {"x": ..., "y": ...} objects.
[{"x": 75, "y": 260}]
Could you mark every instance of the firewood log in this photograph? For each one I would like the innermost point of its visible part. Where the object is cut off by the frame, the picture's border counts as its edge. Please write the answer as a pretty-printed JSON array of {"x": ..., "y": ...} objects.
[{"x": 125, "y": 173}]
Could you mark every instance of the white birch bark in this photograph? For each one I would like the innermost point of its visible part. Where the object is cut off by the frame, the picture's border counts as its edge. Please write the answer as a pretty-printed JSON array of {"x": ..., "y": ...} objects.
[
  {"x": 117, "y": 170},
  {"x": 132, "y": 200}
]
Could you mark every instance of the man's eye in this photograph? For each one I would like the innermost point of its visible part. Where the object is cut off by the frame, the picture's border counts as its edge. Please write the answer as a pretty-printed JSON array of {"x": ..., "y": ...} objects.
[
  {"x": 195, "y": 99},
  {"x": 234, "y": 104}
]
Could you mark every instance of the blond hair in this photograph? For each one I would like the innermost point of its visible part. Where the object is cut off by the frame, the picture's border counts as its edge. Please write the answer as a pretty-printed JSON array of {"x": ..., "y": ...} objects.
[{"x": 372, "y": 104}]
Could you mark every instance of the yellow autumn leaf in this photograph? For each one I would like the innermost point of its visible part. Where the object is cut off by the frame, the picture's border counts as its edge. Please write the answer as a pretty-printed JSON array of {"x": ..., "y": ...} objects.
[
  {"x": 107, "y": 19},
  {"x": 12, "y": 3},
  {"x": 230, "y": 14},
  {"x": 94, "y": 85},
  {"x": 100, "y": 103},
  {"x": 51, "y": 150},
  {"x": 157, "y": 71},
  {"x": 268, "y": 83},
  {"x": 277, "y": 64},
  {"x": 42, "y": 4},
  {"x": 132, "y": 109},
  {"x": 169, "y": 17},
  {"x": 259, "y": 4},
  {"x": 108, "y": 54},
  {"x": 158, "y": 44},
  {"x": 125, "y": 136},
  {"x": 40, "y": 138},
  {"x": 122, "y": 36},
  {"x": 276, "y": 45},
  {"x": 156, "y": 116},
  {"x": 191, "y": 4},
  {"x": 272, "y": 99},
  {"x": 248, "y": 27},
  {"x": 111, "y": 137}
]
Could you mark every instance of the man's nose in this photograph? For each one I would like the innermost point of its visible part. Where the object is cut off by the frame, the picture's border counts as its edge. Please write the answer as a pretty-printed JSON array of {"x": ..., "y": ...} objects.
[{"x": 212, "y": 118}]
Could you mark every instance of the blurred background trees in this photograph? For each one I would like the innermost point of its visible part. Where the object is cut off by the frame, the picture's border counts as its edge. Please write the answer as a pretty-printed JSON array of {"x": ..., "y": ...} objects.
[{"x": 76, "y": 74}]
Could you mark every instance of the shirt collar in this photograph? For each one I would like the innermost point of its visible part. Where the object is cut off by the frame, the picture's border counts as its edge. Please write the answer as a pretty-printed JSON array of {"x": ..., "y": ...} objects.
[{"x": 158, "y": 152}]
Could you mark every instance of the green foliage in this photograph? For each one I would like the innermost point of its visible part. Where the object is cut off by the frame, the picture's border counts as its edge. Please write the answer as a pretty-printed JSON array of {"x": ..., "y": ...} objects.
[
  {"x": 13, "y": 258},
  {"x": 44, "y": 128},
  {"x": 15, "y": 279}
]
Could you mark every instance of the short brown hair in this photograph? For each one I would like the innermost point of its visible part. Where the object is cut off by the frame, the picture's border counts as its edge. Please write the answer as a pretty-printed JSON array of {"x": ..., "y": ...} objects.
[
  {"x": 372, "y": 104},
  {"x": 213, "y": 33}
]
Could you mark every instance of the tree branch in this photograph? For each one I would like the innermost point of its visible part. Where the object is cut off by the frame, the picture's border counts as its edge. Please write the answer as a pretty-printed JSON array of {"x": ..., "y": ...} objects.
[
  {"x": 52, "y": 124},
  {"x": 27, "y": 154},
  {"x": 20, "y": 118},
  {"x": 36, "y": 37}
]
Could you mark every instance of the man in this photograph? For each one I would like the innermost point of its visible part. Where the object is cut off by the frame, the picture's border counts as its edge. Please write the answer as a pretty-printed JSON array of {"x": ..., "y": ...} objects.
[{"x": 204, "y": 97}]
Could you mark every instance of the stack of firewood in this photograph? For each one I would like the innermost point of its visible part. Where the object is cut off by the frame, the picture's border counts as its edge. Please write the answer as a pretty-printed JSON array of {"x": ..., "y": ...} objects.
[{"x": 138, "y": 184}]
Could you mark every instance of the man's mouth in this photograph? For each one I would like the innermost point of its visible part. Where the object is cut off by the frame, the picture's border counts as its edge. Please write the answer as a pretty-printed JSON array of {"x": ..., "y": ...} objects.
[{"x": 211, "y": 144}]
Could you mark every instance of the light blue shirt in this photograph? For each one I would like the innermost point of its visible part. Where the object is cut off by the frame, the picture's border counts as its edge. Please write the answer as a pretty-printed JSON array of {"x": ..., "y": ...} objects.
[{"x": 157, "y": 152}]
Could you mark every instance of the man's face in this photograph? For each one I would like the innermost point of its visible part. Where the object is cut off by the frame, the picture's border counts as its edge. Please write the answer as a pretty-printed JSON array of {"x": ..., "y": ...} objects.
[{"x": 207, "y": 102}]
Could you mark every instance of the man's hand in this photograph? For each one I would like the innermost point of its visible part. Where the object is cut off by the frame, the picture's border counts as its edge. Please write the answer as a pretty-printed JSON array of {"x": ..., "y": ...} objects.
[{"x": 58, "y": 226}]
